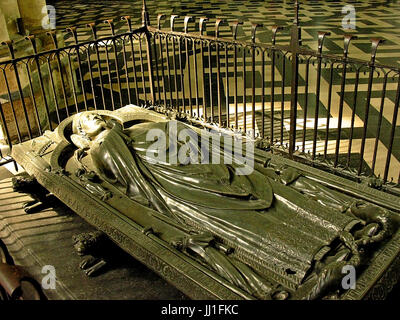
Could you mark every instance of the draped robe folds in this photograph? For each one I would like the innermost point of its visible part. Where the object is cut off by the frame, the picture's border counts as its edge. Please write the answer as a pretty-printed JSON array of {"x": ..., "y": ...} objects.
[{"x": 255, "y": 214}]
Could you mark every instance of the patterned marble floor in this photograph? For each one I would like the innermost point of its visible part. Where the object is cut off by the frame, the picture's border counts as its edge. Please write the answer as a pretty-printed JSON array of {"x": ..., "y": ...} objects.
[{"x": 373, "y": 19}]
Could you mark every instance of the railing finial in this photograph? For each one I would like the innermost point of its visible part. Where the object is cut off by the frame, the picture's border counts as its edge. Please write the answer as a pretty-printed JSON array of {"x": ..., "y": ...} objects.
[
  {"x": 275, "y": 30},
  {"x": 32, "y": 40},
  {"x": 375, "y": 42},
  {"x": 9, "y": 44},
  {"x": 53, "y": 35},
  {"x": 128, "y": 22},
  {"x": 321, "y": 38},
  {"x": 92, "y": 27},
  {"x": 173, "y": 17},
  {"x": 347, "y": 39},
  {"x": 254, "y": 27},
  {"x": 296, "y": 13},
  {"x": 110, "y": 22},
  {"x": 74, "y": 33},
  {"x": 202, "y": 24},
  {"x": 217, "y": 25},
  {"x": 159, "y": 17},
  {"x": 145, "y": 15},
  {"x": 235, "y": 28},
  {"x": 186, "y": 23}
]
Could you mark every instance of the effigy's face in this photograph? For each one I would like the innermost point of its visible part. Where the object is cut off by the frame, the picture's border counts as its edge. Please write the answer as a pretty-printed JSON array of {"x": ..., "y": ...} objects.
[{"x": 92, "y": 124}]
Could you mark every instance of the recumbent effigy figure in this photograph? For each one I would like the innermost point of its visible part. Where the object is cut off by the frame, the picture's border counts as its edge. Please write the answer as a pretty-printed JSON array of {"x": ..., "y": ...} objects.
[{"x": 272, "y": 223}]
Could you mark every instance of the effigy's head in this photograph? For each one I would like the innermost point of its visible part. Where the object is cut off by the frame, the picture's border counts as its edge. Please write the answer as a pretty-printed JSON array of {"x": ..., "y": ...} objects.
[{"x": 88, "y": 124}]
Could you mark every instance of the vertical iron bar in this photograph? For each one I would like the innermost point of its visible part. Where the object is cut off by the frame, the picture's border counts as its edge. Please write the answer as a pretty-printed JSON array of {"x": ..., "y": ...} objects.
[
  {"x": 321, "y": 38},
  {"x": 96, "y": 48},
  {"x": 187, "y": 19},
  {"x": 375, "y": 44},
  {"x": 142, "y": 69},
  {"x": 35, "y": 107},
  {"x": 169, "y": 72},
  {"x": 17, "y": 78},
  {"x": 129, "y": 23},
  {"x": 283, "y": 95},
  {"x": 182, "y": 75},
  {"x": 159, "y": 17},
  {"x": 157, "y": 73},
  {"x": 5, "y": 127},
  {"x": 109, "y": 76},
  {"x": 275, "y": 29},
  {"x": 392, "y": 132},
  {"x": 378, "y": 131},
  {"x": 111, "y": 24},
  {"x": 347, "y": 39},
  {"x": 162, "y": 71},
  {"x": 54, "y": 91},
  {"x": 150, "y": 67},
  {"x": 12, "y": 106},
  {"x": 253, "y": 78},
  {"x": 244, "y": 91},
  {"x": 328, "y": 115},
  {"x": 210, "y": 81},
  {"x": 196, "y": 77},
  {"x": 294, "y": 44},
  {"x": 235, "y": 72},
  {"x": 74, "y": 34},
  {"x": 33, "y": 43},
  {"x": 217, "y": 25},
  {"x": 353, "y": 116},
  {"x": 91, "y": 77},
  {"x": 228, "y": 123},
  {"x": 53, "y": 36},
  {"x": 173, "y": 17},
  {"x": 128, "y": 85},
  {"x": 73, "y": 83},
  {"x": 305, "y": 109},
  {"x": 201, "y": 29}
]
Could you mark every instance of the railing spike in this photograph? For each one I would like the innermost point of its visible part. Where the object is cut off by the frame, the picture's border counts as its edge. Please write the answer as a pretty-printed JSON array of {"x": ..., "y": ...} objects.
[
  {"x": 235, "y": 28},
  {"x": 92, "y": 26},
  {"x": 186, "y": 23},
  {"x": 275, "y": 30},
  {"x": 375, "y": 42},
  {"x": 74, "y": 33},
  {"x": 145, "y": 15},
  {"x": 217, "y": 24},
  {"x": 159, "y": 17},
  {"x": 347, "y": 40},
  {"x": 202, "y": 25},
  {"x": 173, "y": 17},
  {"x": 32, "y": 40},
  {"x": 321, "y": 38},
  {"x": 128, "y": 21},
  {"x": 254, "y": 27},
  {"x": 9, "y": 44},
  {"x": 296, "y": 13},
  {"x": 110, "y": 22},
  {"x": 53, "y": 36}
]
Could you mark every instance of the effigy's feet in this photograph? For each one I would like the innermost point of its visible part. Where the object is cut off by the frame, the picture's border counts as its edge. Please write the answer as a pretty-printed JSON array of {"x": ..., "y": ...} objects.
[{"x": 92, "y": 266}]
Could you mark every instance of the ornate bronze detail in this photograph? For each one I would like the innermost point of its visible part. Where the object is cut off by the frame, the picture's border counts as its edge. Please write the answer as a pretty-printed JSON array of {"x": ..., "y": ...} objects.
[{"x": 284, "y": 231}]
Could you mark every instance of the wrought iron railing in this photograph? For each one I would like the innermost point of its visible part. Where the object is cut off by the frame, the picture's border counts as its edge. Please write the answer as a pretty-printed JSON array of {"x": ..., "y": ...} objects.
[{"x": 332, "y": 111}]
